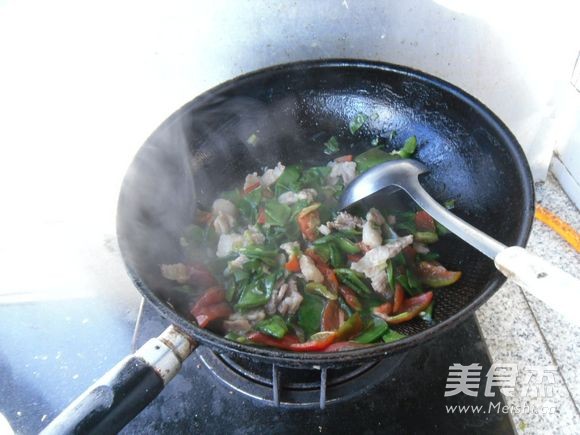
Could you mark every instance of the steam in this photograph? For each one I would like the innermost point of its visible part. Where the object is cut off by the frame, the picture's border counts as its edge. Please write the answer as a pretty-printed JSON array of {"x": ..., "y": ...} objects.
[{"x": 206, "y": 147}]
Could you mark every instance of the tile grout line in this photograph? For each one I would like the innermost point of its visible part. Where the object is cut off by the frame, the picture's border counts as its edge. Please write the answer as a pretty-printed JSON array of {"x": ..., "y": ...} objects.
[{"x": 552, "y": 357}]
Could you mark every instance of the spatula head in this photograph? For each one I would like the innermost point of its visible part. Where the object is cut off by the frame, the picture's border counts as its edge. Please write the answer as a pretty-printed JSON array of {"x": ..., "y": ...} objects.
[{"x": 394, "y": 175}]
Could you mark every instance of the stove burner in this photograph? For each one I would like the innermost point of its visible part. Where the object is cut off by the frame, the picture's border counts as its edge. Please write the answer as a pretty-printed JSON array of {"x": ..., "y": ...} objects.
[
  {"x": 287, "y": 387},
  {"x": 296, "y": 388}
]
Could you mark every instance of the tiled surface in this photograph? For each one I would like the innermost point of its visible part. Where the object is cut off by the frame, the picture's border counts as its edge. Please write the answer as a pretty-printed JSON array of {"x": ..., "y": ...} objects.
[{"x": 520, "y": 329}]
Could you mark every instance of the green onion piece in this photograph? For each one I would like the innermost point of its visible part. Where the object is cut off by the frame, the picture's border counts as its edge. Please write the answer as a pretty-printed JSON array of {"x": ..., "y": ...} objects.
[
  {"x": 310, "y": 314},
  {"x": 288, "y": 181},
  {"x": 331, "y": 146},
  {"x": 232, "y": 336},
  {"x": 323, "y": 250},
  {"x": 392, "y": 336},
  {"x": 321, "y": 290},
  {"x": 315, "y": 176},
  {"x": 357, "y": 122},
  {"x": 377, "y": 329},
  {"x": 371, "y": 158},
  {"x": 259, "y": 252},
  {"x": 347, "y": 246},
  {"x": 274, "y": 326},
  {"x": 390, "y": 274},
  {"x": 441, "y": 230},
  {"x": 427, "y": 315},
  {"x": 449, "y": 204},
  {"x": 353, "y": 280},
  {"x": 253, "y": 295},
  {"x": 409, "y": 148},
  {"x": 426, "y": 236},
  {"x": 415, "y": 287},
  {"x": 429, "y": 256},
  {"x": 252, "y": 139},
  {"x": 337, "y": 258},
  {"x": 276, "y": 213}
]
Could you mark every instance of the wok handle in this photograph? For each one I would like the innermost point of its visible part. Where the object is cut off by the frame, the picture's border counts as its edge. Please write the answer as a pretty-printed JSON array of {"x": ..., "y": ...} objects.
[
  {"x": 558, "y": 289},
  {"x": 116, "y": 398}
]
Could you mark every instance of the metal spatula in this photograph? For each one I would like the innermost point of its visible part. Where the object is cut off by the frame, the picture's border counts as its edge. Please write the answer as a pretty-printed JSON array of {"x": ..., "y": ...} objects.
[{"x": 556, "y": 288}]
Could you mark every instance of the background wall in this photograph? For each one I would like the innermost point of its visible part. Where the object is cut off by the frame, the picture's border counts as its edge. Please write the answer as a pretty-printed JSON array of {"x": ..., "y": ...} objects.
[{"x": 82, "y": 84}]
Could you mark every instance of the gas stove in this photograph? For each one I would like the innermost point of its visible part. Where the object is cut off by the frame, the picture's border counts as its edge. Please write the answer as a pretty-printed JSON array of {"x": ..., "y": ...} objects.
[
  {"x": 45, "y": 364},
  {"x": 403, "y": 393}
]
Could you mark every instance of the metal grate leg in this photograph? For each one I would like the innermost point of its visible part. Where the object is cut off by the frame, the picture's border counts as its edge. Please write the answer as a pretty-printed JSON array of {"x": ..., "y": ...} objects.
[
  {"x": 323, "y": 376},
  {"x": 275, "y": 385}
]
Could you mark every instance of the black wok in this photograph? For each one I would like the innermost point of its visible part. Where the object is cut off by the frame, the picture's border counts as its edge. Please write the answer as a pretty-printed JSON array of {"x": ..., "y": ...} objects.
[{"x": 292, "y": 109}]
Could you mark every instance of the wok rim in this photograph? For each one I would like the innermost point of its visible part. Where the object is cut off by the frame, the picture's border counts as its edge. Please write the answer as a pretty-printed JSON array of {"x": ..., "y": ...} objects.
[{"x": 302, "y": 359}]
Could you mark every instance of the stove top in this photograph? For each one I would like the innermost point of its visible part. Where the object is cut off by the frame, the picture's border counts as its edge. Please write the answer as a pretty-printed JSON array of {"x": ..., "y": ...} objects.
[
  {"x": 218, "y": 394},
  {"x": 215, "y": 393}
]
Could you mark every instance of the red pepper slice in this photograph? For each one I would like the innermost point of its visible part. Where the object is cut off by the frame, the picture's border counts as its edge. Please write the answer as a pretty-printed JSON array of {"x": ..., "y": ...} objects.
[
  {"x": 424, "y": 222},
  {"x": 330, "y": 316},
  {"x": 200, "y": 276},
  {"x": 262, "y": 216},
  {"x": 326, "y": 270},
  {"x": 383, "y": 311},
  {"x": 434, "y": 274},
  {"x": 345, "y": 345},
  {"x": 251, "y": 187},
  {"x": 280, "y": 343},
  {"x": 354, "y": 257},
  {"x": 212, "y": 296},
  {"x": 330, "y": 277},
  {"x": 308, "y": 221},
  {"x": 315, "y": 345},
  {"x": 363, "y": 247},
  {"x": 210, "y": 313},
  {"x": 293, "y": 264},
  {"x": 410, "y": 255},
  {"x": 410, "y": 309},
  {"x": 341, "y": 159},
  {"x": 351, "y": 328},
  {"x": 350, "y": 298},
  {"x": 203, "y": 217},
  {"x": 399, "y": 297}
]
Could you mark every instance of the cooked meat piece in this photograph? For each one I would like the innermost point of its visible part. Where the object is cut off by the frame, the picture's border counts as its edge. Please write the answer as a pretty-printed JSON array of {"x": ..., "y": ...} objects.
[
  {"x": 228, "y": 243},
  {"x": 309, "y": 270},
  {"x": 223, "y": 223},
  {"x": 291, "y": 301},
  {"x": 293, "y": 197},
  {"x": 421, "y": 248},
  {"x": 374, "y": 260},
  {"x": 176, "y": 272},
  {"x": 375, "y": 216},
  {"x": 238, "y": 326},
  {"x": 290, "y": 248},
  {"x": 277, "y": 295},
  {"x": 343, "y": 221},
  {"x": 225, "y": 206},
  {"x": 379, "y": 280},
  {"x": 240, "y": 323},
  {"x": 238, "y": 263},
  {"x": 253, "y": 236},
  {"x": 344, "y": 170},
  {"x": 251, "y": 181},
  {"x": 371, "y": 231},
  {"x": 271, "y": 175}
]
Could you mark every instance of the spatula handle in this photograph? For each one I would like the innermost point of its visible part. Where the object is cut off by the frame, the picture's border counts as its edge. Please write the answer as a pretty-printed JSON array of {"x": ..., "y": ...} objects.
[{"x": 558, "y": 289}]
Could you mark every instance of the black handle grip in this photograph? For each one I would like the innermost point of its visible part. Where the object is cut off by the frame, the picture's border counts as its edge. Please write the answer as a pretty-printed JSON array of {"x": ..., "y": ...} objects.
[{"x": 114, "y": 400}]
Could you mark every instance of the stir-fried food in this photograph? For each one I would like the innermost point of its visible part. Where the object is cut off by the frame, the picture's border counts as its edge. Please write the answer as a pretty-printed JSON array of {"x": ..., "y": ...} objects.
[{"x": 273, "y": 262}]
